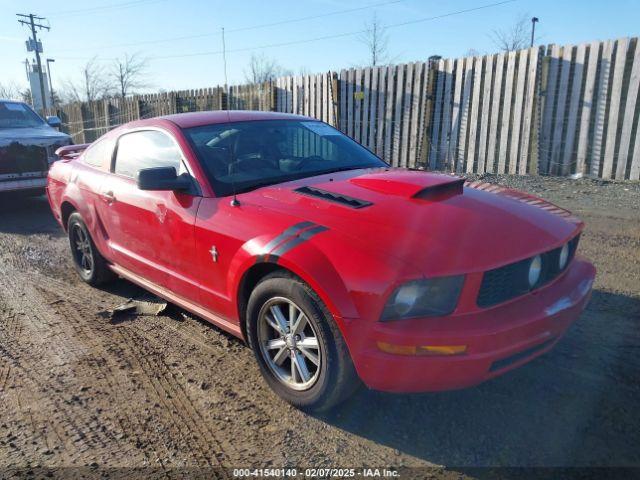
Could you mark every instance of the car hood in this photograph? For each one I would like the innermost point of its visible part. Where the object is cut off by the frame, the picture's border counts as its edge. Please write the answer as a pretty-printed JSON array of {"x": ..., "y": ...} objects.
[
  {"x": 428, "y": 220},
  {"x": 42, "y": 135}
]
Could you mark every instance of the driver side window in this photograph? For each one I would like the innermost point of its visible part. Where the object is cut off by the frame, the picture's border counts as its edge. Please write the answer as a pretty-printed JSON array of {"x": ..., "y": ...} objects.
[{"x": 146, "y": 149}]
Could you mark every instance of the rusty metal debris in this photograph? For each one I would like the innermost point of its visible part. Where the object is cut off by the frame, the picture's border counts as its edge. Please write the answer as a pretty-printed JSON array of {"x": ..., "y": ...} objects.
[{"x": 147, "y": 305}]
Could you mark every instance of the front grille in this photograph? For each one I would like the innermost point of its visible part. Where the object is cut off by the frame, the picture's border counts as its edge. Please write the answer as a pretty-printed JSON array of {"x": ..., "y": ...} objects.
[
  {"x": 17, "y": 159},
  {"x": 510, "y": 281}
]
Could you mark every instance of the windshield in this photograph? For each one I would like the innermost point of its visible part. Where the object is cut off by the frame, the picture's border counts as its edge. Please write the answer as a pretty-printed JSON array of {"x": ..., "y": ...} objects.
[
  {"x": 245, "y": 155},
  {"x": 18, "y": 115}
]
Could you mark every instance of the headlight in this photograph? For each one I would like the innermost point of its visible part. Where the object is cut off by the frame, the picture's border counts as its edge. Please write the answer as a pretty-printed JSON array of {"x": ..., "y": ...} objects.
[
  {"x": 424, "y": 298},
  {"x": 535, "y": 269}
]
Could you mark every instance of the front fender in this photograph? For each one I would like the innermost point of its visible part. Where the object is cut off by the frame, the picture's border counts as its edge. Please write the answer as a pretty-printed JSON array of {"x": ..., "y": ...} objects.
[
  {"x": 352, "y": 282},
  {"x": 312, "y": 267}
]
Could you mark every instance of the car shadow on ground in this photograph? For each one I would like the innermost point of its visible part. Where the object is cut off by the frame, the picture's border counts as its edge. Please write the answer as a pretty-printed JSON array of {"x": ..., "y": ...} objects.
[
  {"x": 27, "y": 216},
  {"x": 574, "y": 406}
]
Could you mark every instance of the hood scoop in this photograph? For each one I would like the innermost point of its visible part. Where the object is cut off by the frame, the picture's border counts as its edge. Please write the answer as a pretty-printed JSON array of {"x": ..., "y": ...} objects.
[
  {"x": 441, "y": 191},
  {"x": 412, "y": 184},
  {"x": 333, "y": 197}
]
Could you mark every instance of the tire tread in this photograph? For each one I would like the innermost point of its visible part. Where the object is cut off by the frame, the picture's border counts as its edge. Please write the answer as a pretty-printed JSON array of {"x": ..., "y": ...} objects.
[{"x": 346, "y": 380}]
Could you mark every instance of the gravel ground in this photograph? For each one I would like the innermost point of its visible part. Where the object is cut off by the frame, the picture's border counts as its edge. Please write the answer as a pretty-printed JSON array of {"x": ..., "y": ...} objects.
[{"x": 78, "y": 389}]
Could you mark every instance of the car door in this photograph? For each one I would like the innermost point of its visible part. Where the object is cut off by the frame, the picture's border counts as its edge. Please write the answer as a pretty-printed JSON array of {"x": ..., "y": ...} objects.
[
  {"x": 151, "y": 232},
  {"x": 89, "y": 174}
]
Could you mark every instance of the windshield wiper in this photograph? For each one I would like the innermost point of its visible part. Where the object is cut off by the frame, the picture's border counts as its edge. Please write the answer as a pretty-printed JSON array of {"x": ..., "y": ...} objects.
[
  {"x": 264, "y": 183},
  {"x": 335, "y": 170},
  {"x": 291, "y": 178}
]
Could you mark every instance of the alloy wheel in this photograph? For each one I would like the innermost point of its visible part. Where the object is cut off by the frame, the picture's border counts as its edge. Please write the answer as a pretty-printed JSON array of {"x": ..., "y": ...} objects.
[
  {"x": 289, "y": 343},
  {"x": 82, "y": 249}
]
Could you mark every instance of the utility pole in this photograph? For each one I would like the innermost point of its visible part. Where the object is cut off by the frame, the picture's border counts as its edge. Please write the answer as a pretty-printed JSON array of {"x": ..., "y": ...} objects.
[
  {"x": 32, "y": 23},
  {"x": 49, "y": 62},
  {"x": 534, "y": 20}
]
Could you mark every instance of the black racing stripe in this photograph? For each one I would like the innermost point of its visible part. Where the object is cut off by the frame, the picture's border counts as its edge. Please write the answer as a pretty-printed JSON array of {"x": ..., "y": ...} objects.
[
  {"x": 292, "y": 230},
  {"x": 303, "y": 237}
]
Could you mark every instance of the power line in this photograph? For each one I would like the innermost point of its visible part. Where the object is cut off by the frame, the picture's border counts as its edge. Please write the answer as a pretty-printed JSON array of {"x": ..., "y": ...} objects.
[
  {"x": 321, "y": 38},
  {"x": 241, "y": 29},
  {"x": 115, "y": 6},
  {"x": 339, "y": 35}
]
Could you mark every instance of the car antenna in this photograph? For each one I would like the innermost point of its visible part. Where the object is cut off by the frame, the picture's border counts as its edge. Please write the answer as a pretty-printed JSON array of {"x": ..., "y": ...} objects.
[{"x": 234, "y": 201}]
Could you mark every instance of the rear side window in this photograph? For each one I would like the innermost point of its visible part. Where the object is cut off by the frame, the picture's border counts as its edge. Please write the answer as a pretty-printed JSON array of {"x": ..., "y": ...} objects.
[
  {"x": 17, "y": 114},
  {"x": 99, "y": 154},
  {"x": 146, "y": 149}
]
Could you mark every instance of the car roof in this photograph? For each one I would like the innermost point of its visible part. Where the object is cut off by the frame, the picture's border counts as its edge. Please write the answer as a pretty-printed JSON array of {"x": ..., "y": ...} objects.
[{"x": 196, "y": 119}]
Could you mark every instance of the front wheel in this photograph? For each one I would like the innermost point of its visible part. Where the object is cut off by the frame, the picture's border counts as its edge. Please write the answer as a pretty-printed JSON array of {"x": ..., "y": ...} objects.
[
  {"x": 297, "y": 344},
  {"x": 87, "y": 260}
]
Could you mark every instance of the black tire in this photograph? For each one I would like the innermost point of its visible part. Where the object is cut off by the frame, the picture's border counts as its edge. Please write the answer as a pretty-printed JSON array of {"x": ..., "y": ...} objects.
[
  {"x": 93, "y": 269},
  {"x": 335, "y": 377}
]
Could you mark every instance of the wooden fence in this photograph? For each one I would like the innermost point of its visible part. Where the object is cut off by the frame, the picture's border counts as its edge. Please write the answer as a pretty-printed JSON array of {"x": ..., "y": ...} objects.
[
  {"x": 484, "y": 113},
  {"x": 550, "y": 110},
  {"x": 590, "y": 110}
]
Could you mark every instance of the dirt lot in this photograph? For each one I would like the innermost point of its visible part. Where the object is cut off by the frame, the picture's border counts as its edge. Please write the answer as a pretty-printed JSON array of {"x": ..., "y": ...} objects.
[{"x": 78, "y": 389}]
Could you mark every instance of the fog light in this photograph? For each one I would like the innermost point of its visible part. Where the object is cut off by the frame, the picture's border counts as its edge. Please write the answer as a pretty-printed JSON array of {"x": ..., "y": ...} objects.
[{"x": 422, "y": 350}]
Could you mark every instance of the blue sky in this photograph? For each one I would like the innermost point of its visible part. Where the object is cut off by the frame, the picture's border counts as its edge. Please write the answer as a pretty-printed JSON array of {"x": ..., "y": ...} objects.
[{"x": 82, "y": 29}]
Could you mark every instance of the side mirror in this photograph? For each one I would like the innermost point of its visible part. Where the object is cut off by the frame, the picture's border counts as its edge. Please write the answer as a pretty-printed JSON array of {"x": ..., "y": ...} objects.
[
  {"x": 54, "y": 122},
  {"x": 162, "y": 178}
]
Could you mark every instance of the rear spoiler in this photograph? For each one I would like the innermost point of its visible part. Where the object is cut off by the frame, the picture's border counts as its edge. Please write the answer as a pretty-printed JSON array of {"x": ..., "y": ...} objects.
[{"x": 71, "y": 151}]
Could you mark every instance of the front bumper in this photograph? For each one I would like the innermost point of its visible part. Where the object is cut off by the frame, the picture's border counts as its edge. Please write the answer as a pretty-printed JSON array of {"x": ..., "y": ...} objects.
[
  {"x": 498, "y": 339},
  {"x": 16, "y": 184}
]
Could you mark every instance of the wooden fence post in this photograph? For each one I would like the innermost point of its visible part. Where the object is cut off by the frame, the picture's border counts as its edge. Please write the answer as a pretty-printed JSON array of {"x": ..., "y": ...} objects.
[
  {"x": 136, "y": 104},
  {"x": 105, "y": 106},
  {"x": 173, "y": 102},
  {"x": 425, "y": 149},
  {"x": 223, "y": 98},
  {"x": 335, "y": 98},
  {"x": 273, "y": 96},
  {"x": 541, "y": 93}
]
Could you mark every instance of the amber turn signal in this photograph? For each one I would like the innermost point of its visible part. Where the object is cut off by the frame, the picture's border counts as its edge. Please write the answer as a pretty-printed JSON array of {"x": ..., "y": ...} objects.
[{"x": 422, "y": 349}]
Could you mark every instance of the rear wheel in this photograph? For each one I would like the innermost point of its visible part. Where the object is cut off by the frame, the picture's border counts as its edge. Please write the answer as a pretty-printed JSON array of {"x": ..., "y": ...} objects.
[
  {"x": 87, "y": 260},
  {"x": 297, "y": 344}
]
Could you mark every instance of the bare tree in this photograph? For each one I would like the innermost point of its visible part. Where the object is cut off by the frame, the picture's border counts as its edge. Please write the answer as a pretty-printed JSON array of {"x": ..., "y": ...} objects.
[
  {"x": 129, "y": 74},
  {"x": 515, "y": 37},
  {"x": 376, "y": 39},
  {"x": 25, "y": 96},
  {"x": 95, "y": 84},
  {"x": 263, "y": 69},
  {"x": 10, "y": 91}
]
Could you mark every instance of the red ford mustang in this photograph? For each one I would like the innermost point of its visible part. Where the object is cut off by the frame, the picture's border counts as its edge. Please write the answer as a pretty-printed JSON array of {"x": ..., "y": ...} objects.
[{"x": 334, "y": 267}]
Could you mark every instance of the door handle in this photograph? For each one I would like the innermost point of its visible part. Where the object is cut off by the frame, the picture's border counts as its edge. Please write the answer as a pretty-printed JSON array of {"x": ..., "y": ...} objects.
[{"x": 109, "y": 197}]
